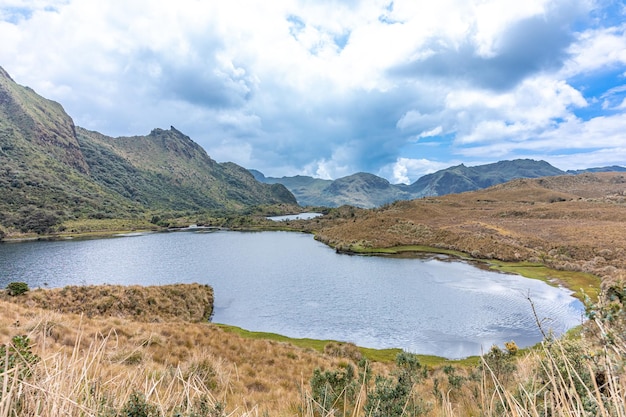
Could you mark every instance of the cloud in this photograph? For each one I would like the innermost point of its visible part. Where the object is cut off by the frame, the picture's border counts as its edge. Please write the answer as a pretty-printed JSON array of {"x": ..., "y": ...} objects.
[
  {"x": 329, "y": 87},
  {"x": 433, "y": 132},
  {"x": 528, "y": 46},
  {"x": 407, "y": 170}
]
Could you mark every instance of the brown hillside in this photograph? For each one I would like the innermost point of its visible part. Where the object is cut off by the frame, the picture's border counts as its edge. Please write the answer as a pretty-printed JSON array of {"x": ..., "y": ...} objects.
[
  {"x": 177, "y": 302},
  {"x": 567, "y": 222},
  {"x": 170, "y": 360}
]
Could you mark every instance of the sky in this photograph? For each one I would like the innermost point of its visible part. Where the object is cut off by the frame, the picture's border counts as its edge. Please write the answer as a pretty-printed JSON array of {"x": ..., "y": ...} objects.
[{"x": 328, "y": 88}]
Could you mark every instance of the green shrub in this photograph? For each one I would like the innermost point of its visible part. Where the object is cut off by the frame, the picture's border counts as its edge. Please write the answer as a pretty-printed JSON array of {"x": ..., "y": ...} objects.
[
  {"x": 18, "y": 354},
  {"x": 395, "y": 396},
  {"x": 333, "y": 389},
  {"x": 500, "y": 363},
  {"x": 137, "y": 406},
  {"x": 17, "y": 288}
]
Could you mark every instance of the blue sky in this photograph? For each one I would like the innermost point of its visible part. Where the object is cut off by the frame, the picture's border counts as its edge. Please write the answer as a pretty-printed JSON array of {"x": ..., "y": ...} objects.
[{"x": 328, "y": 88}]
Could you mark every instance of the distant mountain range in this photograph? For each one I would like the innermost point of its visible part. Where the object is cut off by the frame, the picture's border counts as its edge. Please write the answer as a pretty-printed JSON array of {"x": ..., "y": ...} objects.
[
  {"x": 52, "y": 170},
  {"x": 368, "y": 191}
]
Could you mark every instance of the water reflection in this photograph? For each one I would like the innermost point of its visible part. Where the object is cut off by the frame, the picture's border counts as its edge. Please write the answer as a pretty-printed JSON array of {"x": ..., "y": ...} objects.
[{"x": 299, "y": 216}]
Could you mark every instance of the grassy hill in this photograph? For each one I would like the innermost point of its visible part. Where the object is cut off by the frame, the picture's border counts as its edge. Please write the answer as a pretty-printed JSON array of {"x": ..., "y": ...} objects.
[
  {"x": 52, "y": 171},
  {"x": 570, "y": 223}
]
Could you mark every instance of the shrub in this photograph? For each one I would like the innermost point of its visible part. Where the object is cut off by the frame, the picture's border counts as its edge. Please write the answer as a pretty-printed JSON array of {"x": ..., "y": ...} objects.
[
  {"x": 332, "y": 389},
  {"x": 500, "y": 363},
  {"x": 395, "y": 396},
  {"x": 18, "y": 354},
  {"x": 17, "y": 288},
  {"x": 137, "y": 406}
]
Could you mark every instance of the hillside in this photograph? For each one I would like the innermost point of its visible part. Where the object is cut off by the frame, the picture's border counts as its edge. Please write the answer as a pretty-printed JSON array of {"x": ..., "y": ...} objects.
[
  {"x": 362, "y": 190},
  {"x": 307, "y": 190},
  {"x": 572, "y": 223},
  {"x": 175, "y": 302},
  {"x": 368, "y": 191},
  {"x": 52, "y": 171},
  {"x": 167, "y": 170},
  {"x": 612, "y": 168}
]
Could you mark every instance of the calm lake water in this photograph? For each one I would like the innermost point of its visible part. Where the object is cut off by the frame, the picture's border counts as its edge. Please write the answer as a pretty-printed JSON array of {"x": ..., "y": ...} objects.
[
  {"x": 299, "y": 216},
  {"x": 288, "y": 283}
]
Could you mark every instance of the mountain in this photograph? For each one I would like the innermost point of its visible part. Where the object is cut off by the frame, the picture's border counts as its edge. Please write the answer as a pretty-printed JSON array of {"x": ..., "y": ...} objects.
[
  {"x": 166, "y": 169},
  {"x": 359, "y": 190},
  {"x": 368, "y": 191},
  {"x": 307, "y": 190},
  {"x": 461, "y": 178},
  {"x": 613, "y": 168},
  {"x": 52, "y": 170},
  {"x": 363, "y": 190}
]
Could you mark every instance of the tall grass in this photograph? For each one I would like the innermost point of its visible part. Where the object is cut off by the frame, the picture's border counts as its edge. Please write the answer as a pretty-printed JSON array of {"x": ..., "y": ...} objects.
[
  {"x": 82, "y": 383},
  {"x": 110, "y": 368}
]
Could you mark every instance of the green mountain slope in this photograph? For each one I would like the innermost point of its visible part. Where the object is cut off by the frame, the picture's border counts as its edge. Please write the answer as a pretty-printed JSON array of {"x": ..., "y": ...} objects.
[
  {"x": 167, "y": 170},
  {"x": 307, "y": 190},
  {"x": 51, "y": 170},
  {"x": 363, "y": 190}
]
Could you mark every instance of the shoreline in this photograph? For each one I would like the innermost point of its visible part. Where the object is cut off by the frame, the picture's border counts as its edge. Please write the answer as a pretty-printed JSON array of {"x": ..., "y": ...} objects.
[
  {"x": 401, "y": 251},
  {"x": 582, "y": 284}
]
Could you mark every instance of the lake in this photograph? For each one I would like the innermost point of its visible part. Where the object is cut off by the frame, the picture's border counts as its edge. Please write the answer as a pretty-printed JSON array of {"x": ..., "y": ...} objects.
[
  {"x": 288, "y": 283},
  {"x": 299, "y": 216}
]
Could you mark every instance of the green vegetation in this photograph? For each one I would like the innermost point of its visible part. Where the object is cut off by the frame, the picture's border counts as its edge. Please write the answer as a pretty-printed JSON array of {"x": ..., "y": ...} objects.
[
  {"x": 18, "y": 356},
  {"x": 17, "y": 288},
  {"x": 407, "y": 250},
  {"x": 53, "y": 172},
  {"x": 374, "y": 355},
  {"x": 581, "y": 283},
  {"x": 334, "y": 392}
]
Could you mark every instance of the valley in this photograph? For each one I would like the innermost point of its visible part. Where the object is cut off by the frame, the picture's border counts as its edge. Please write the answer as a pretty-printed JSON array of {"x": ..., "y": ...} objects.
[{"x": 60, "y": 181}]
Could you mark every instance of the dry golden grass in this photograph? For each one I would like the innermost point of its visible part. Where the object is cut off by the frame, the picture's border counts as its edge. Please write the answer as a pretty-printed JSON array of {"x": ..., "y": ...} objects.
[
  {"x": 167, "y": 361},
  {"x": 575, "y": 223},
  {"x": 189, "y": 302},
  {"x": 95, "y": 365}
]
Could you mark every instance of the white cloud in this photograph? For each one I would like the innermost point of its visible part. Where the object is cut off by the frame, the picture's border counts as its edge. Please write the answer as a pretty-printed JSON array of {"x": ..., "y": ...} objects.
[
  {"x": 433, "y": 132},
  {"x": 596, "y": 49},
  {"x": 327, "y": 88},
  {"x": 408, "y": 170}
]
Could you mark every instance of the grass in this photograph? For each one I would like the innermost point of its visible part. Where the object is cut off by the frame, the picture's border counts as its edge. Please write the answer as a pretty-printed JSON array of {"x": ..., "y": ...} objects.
[
  {"x": 405, "y": 249},
  {"x": 375, "y": 355},
  {"x": 111, "y": 366},
  {"x": 581, "y": 283},
  {"x": 313, "y": 344}
]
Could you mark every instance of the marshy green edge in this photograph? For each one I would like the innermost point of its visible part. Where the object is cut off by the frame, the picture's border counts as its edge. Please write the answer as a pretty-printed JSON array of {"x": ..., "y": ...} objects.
[
  {"x": 376, "y": 355},
  {"x": 582, "y": 284}
]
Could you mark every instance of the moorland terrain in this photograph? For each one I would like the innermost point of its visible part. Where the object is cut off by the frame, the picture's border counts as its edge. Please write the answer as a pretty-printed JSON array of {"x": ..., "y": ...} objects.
[
  {"x": 569, "y": 223},
  {"x": 131, "y": 351}
]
